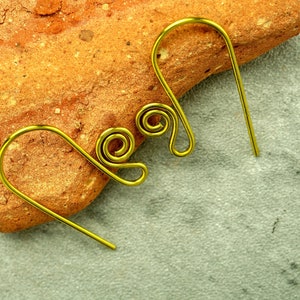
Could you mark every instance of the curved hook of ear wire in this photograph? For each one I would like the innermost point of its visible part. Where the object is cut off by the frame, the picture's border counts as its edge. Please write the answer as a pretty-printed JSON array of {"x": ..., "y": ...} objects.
[
  {"x": 142, "y": 118},
  {"x": 102, "y": 153}
]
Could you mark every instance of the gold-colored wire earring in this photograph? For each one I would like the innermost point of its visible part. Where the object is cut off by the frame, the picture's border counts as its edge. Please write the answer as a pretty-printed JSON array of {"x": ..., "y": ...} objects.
[
  {"x": 169, "y": 115},
  {"x": 106, "y": 159},
  {"x": 119, "y": 158}
]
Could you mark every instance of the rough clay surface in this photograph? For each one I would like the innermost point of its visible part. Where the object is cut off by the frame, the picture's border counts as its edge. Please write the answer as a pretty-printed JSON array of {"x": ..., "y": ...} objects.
[{"x": 84, "y": 66}]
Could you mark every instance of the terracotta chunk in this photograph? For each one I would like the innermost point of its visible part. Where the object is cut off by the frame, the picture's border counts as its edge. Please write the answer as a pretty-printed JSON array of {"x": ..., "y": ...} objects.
[
  {"x": 46, "y": 7},
  {"x": 84, "y": 66}
]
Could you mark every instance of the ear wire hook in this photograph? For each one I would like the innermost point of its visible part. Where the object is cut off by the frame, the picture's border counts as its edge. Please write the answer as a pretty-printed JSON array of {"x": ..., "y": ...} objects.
[
  {"x": 102, "y": 153},
  {"x": 154, "y": 108}
]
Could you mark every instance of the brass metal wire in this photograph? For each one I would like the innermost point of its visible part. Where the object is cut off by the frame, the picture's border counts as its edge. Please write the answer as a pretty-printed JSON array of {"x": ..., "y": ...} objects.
[
  {"x": 119, "y": 159},
  {"x": 107, "y": 159},
  {"x": 159, "y": 109}
]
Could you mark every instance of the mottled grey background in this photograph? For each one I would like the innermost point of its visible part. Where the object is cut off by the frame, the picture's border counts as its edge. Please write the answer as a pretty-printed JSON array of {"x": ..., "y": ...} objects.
[{"x": 219, "y": 224}]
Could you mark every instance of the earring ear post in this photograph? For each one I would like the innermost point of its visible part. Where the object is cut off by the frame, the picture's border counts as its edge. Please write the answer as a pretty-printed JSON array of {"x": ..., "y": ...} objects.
[{"x": 236, "y": 71}]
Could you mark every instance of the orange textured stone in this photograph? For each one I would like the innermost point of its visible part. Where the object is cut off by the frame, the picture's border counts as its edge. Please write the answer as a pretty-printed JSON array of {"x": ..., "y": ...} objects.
[
  {"x": 47, "y": 7},
  {"x": 52, "y": 73}
]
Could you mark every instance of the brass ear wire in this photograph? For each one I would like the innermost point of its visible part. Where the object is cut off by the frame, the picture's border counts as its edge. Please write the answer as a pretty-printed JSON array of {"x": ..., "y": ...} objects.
[
  {"x": 119, "y": 159},
  {"x": 104, "y": 156},
  {"x": 158, "y": 109}
]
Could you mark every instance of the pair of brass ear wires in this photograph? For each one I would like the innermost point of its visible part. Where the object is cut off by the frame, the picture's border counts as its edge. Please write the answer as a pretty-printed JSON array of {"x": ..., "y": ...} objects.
[{"x": 169, "y": 118}]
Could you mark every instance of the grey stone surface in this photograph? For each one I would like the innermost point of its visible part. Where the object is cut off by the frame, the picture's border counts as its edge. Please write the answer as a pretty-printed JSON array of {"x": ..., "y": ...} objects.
[{"x": 219, "y": 224}]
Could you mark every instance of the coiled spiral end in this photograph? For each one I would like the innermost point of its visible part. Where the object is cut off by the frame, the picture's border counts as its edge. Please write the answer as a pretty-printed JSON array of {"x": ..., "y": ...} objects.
[
  {"x": 168, "y": 119},
  {"x": 118, "y": 158}
]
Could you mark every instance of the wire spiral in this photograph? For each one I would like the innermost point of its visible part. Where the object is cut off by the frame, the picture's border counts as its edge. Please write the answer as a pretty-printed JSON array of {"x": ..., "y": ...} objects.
[
  {"x": 168, "y": 119},
  {"x": 118, "y": 158}
]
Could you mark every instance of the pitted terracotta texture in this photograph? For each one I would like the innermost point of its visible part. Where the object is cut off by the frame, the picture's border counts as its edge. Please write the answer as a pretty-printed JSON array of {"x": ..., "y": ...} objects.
[{"x": 84, "y": 66}]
